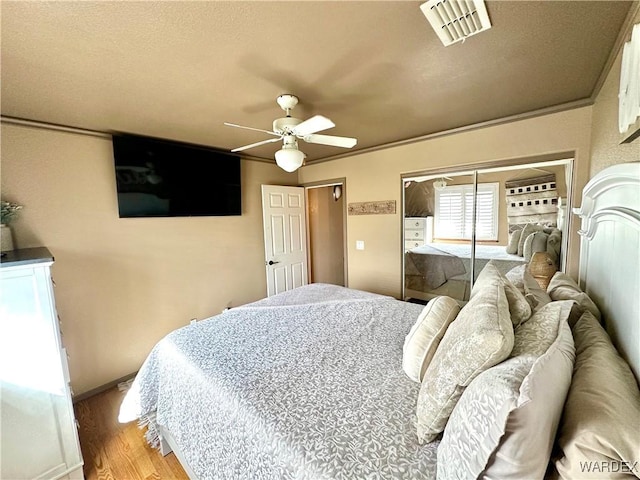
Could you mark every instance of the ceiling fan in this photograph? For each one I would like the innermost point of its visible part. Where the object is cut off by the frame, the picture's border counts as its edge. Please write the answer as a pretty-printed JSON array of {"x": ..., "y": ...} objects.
[{"x": 290, "y": 129}]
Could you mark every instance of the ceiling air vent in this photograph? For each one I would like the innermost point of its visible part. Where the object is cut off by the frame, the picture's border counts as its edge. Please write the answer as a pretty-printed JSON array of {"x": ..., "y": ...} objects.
[{"x": 455, "y": 20}]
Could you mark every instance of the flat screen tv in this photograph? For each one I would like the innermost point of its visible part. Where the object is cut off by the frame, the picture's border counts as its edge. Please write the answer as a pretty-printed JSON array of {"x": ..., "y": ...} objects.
[{"x": 163, "y": 178}]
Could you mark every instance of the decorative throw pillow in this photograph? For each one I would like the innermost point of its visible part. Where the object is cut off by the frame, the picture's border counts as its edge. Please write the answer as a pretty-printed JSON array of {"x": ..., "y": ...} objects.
[
  {"x": 554, "y": 243},
  {"x": 528, "y": 229},
  {"x": 599, "y": 425},
  {"x": 515, "y": 276},
  {"x": 518, "y": 306},
  {"x": 535, "y": 295},
  {"x": 505, "y": 422},
  {"x": 422, "y": 341},
  {"x": 563, "y": 287},
  {"x": 536, "y": 242},
  {"x": 480, "y": 337},
  {"x": 526, "y": 249},
  {"x": 514, "y": 240}
]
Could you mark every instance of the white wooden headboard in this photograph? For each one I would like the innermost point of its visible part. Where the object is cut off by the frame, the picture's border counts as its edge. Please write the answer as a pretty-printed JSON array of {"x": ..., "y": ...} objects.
[{"x": 610, "y": 254}]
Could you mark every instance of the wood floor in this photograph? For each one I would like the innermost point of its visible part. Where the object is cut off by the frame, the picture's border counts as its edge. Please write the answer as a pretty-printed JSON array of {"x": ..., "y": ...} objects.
[{"x": 115, "y": 451}]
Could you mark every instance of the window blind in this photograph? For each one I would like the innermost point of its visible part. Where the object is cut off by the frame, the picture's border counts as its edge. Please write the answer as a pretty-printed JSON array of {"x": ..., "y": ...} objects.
[{"x": 454, "y": 212}]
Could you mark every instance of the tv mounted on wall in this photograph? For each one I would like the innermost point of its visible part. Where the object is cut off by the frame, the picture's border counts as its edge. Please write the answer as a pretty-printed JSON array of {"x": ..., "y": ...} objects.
[{"x": 163, "y": 178}]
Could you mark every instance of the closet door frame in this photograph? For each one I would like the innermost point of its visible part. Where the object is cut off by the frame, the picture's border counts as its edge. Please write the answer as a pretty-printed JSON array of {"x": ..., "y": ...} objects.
[{"x": 478, "y": 168}]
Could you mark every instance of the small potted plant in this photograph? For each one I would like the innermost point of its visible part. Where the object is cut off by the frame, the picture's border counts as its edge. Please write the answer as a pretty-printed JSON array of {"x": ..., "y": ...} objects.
[{"x": 8, "y": 213}]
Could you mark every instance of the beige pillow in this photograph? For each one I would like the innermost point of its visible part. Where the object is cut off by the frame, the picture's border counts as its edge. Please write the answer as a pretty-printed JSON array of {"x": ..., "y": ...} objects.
[
  {"x": 514, "y": 240},
  {"x": 563, "y": 287},
  {"x": 480, "y": 337},
  {"x": 528, "y": 229},
  {"x": 504, "y": 424},
  {"x": 601, "y": 420},
  {"x": 533, "y": 292},
  {"x": 518, "y": 306},
  {"x": 425, "y": 335}
]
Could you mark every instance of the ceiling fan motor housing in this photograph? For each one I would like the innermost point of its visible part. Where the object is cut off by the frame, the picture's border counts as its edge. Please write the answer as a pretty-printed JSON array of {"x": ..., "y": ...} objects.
[
  {"x": 287, "y": 101},
  {"x": 284, "y": 125}
]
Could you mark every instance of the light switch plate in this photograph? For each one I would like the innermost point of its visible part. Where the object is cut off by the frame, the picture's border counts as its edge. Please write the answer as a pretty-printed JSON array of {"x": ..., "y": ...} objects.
[{"x": 359, "y": 244}]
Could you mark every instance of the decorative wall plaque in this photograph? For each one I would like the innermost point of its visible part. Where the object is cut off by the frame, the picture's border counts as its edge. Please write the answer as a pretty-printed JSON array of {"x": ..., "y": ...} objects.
[{"x": 372, "y": 208}]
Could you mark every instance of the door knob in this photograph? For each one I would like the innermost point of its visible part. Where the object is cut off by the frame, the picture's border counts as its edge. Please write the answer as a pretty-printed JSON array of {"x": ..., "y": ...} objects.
[{"x": 271, "y": 262}]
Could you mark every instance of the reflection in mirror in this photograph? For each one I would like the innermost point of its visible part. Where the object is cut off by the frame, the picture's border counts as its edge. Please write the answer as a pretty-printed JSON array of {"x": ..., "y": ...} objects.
[
  {"x": 530, "y": 220},
  {"x": 516, "y": 214},
  {"x": 437, "y": 241}
]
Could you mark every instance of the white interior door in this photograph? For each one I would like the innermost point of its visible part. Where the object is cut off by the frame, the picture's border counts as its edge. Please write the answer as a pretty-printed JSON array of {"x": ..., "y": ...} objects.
[{"x": 285, "y": 237}]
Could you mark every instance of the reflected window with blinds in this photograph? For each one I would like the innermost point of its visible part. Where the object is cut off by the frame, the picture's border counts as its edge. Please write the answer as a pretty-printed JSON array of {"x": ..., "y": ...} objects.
[{"x": 454, "y": 212}]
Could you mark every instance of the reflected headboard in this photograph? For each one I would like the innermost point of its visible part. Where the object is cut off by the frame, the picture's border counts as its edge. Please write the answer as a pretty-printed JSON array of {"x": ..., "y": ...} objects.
[{"x": 610, "y": 254}]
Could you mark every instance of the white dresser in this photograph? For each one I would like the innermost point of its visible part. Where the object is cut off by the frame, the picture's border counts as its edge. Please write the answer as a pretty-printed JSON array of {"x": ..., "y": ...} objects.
[
  {"x": 417, "y": 231},
  {"x": 39, "y": 437}
]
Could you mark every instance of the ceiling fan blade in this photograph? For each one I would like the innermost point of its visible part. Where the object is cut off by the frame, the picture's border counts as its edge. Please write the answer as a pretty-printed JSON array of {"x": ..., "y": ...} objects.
[
  {"x": 312, "y": 125},
  {"x": 344, "y": 142},
  {"x": 251, "y": 128},
  {"x": 271, "y": 140}
]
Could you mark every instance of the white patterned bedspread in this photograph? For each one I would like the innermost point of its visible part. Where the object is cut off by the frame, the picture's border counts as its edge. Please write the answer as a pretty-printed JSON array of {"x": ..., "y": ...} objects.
[{"x": 307, "y": 384}]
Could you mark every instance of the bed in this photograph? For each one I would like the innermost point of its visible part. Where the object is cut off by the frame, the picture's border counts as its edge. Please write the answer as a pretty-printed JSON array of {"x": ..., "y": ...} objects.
[
  {"x": 310, "y": 383},
  {"x": 298, "y": 385},
  {"x": 436, "y": 269}
]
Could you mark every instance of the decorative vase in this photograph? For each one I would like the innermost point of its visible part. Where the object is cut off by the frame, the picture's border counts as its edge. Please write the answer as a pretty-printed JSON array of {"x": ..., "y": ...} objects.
[
  {"x": 6, "y": 239},
  {"x": 542, "y": 268}
]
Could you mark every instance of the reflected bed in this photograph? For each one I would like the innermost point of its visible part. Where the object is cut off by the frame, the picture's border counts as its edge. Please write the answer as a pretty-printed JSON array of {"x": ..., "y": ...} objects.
[{"x": 443, "y": 268}]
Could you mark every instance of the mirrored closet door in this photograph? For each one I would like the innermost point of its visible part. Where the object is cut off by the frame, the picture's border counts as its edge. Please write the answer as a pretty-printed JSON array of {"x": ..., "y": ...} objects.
[{"x": 455, "y": 222}]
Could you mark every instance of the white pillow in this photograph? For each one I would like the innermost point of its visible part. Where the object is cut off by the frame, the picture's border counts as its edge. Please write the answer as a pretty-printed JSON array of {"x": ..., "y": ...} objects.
[
  {"x": 504, "y": 425},
  {"x": 422, "y": 341},
  {"x": 480, "y": 337},
  {"x": 518, "y": 306}
]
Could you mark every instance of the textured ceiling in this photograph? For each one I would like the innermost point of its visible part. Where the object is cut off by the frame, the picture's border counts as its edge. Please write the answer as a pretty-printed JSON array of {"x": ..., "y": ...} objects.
[{"x": 178, "y": 70}]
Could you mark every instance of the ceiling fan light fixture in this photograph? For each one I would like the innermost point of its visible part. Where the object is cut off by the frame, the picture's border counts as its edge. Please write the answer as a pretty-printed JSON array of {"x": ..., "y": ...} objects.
[
  {"x": 439, "y": 184},
  {"x": 456, "y": 20},
  {"x": 289, "y": 130},
  {"x": 289, "y": 158}
]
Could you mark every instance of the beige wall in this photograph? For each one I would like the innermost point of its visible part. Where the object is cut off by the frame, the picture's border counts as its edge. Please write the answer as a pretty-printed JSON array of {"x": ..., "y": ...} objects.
[
  {"x": 125, "y": 283},
  {"x": 606, "y": 149},
  {"x": 326, "y": 236},
  {"x": 122, "y": 284},
  {"x": 376, "y": 176}
]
